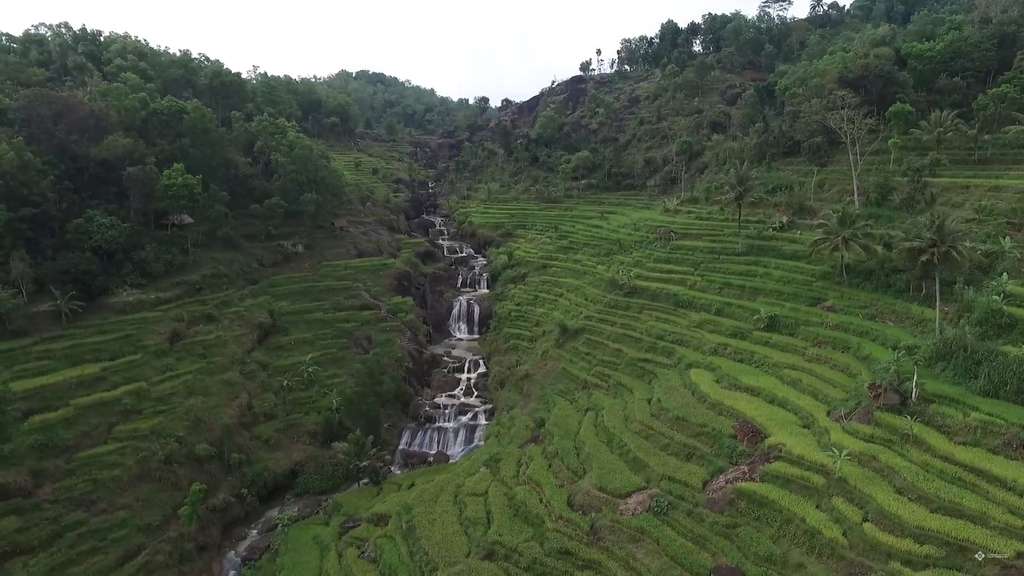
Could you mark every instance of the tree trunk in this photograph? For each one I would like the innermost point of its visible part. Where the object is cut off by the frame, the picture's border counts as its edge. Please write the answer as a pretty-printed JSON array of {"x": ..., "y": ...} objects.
[
  {"x": 938, "y": 301},
  {"x": 682, "y": 183},
  {"x": 814, "y": 183},
  {"x": 842, "y": 264},
  {"x": 739, "y": 219},
  {"x": 853, "y": 172}
]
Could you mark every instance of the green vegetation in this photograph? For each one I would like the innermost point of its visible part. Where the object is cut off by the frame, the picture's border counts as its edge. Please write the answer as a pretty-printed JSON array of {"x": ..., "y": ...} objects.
[
  {"x": 643, "y": 394},
  {"x": 808, "y": 226},
  {"x": 133, "y": 438}
]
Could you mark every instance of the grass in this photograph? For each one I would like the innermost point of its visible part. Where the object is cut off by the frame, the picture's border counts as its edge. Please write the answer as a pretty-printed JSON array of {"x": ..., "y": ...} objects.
[
  {"x": 112, "y": 421},
  {"x": 661, "y": 360}
]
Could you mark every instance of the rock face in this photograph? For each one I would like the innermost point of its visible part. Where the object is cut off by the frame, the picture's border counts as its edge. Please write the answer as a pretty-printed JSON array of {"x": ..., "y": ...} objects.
[
  {"x": 260, "y": 536},
  {"x": 637, "y": 503}
]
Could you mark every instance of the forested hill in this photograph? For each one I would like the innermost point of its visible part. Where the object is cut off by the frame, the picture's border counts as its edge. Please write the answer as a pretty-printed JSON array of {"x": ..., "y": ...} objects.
[
  {"x": 106, "y": 140},
  {"x": 763, "y": 88}
]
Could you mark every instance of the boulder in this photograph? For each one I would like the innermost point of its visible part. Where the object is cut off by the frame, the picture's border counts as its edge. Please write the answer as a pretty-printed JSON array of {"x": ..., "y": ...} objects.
[
  {"x": 253, "y": 550},
  {"x": 637, "y": 503}
]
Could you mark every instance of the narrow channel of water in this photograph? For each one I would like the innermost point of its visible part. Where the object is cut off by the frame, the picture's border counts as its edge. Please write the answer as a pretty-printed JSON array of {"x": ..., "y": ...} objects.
[
  {"x": 451, "y": 424},
  {"x": 454, "y": 423}
]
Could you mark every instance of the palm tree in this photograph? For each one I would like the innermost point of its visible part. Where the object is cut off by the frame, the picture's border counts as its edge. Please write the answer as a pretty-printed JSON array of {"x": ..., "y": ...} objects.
[
  {"x": 844, "y": 233},
  {"x": 939, "y": 126},
  {"x": 66, "y": 305},
  {"x": 1017, "y": 128},
  {"x": 940, "y": 245},
  {"x": 817, "y": 7},
  {"x": 741, "y": 186}
]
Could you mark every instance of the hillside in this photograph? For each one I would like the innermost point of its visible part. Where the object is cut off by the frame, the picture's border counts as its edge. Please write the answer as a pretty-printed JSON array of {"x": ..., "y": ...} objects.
[
  {"x": 626, "y": 357},
  {"x": 745, "y": 298}
]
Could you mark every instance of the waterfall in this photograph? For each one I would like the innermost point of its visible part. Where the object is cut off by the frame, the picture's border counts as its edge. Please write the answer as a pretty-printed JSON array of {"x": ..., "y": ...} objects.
[
  {"x": 454, "y": 423},
  {"x": 464, "y": 322}
]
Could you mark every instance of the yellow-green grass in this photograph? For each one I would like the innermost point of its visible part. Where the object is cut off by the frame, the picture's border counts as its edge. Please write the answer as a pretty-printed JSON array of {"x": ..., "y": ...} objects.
[{"x": 608, "y": 383}]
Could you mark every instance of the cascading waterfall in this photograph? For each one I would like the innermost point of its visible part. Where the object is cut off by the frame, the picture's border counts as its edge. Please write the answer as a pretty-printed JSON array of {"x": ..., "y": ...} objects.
[
  {"x": 464, "y": 322},
  {"x": 455, "y": 422}
]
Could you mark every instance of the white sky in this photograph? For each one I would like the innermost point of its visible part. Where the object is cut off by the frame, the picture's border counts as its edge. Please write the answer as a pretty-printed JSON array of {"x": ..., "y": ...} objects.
[{"x": 461, "y": 48}]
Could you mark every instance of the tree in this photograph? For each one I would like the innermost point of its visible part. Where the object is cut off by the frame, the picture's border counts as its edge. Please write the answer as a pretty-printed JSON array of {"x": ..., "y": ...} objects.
[
  {"x": 1018, "y": 126},
  {"x": 855, "y": 128},
  {"x": 843, "y": 232},
  {"x": 686, "y": 149},
  {"x": 816, "y": 8},
  {"x": 587, "y": 67},
  {"x": 181, "y": 194},
  {"x": 938, "y": 127},
  {"x": 838, "y": 458},
  {"x": 900, "y": 118},
  {"x": 940, "y": 245},
  {"x": 778, "y": 9},
  {"x": 102, "y": 234},
  {"x": 66, "y": 305},
  {"x": 9, "y": 303},
  {"x": 191, "y": 507},
  {"x": 21, "y": 273},
  {"x": 819, "y": 153},
  {"x": 740, "y": 188},
  {"x": 142, "y": 183}
]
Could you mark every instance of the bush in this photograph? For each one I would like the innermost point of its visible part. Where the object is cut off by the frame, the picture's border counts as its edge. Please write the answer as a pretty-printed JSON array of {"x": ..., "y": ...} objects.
[
  {"x": 322, "y": 474},
  {"x": 985, "y": 368}
]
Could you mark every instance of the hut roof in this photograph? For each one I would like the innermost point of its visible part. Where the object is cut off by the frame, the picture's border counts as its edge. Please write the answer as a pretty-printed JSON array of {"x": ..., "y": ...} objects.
[{"x": 180, "y": 219}]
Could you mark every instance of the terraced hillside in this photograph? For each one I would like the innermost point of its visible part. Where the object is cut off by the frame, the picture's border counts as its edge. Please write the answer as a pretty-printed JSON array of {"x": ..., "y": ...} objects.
[
  {"x": 627, "y": 344},
  {"x": 116, "y": 416}
]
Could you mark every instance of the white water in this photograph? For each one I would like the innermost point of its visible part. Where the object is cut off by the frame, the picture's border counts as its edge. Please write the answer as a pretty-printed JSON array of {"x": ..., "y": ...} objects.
[{"x": 456, "y": 421}]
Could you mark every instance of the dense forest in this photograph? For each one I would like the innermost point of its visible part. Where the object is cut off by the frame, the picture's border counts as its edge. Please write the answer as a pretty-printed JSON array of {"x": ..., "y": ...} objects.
[{"x": 118, "y": 157}]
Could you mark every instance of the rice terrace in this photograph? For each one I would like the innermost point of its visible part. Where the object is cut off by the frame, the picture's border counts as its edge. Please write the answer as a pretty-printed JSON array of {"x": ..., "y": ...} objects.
[{"x": 737, "y": 297}]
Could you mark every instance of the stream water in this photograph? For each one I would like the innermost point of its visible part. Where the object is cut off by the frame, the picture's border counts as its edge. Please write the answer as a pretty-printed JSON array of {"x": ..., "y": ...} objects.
[
  {"x": 454, "y": 423},
  {"x": 451, "y": 424}
]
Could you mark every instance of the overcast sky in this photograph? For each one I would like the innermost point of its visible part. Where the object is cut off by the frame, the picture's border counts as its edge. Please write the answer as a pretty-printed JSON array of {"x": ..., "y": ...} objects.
[{"x": 461, "y": 48}]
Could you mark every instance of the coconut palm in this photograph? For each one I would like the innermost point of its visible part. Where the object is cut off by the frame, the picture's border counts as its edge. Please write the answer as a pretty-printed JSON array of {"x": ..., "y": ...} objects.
[
  {"x": 939, "y": 245},
  {"x": 816, "y": 7},
  {"x": 66, "y": 305},
  {"x": 843, "y": 232},
  {"x": 1017, "y": 128},
  {"x": 938, "y": 127},
  {"x": 741, "y": 187}
]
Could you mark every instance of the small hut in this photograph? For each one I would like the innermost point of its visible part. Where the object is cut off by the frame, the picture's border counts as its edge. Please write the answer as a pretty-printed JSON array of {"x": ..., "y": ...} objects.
[{"x": 178, "y": 220}]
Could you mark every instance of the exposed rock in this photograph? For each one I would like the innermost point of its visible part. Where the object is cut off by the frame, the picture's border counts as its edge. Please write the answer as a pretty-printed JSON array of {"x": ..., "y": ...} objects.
[
  {"x": 638, "y": 503},
  {"x": 441, "y": 383},
  {"x": 726, "y": 570},
  {"x": 748, "y": 434},
  {"x": 440, "y": 458},
  {"x": 719, "y": 490},
  {"x": 255, "y": 548},
  {"x": 827, "y": 306}
]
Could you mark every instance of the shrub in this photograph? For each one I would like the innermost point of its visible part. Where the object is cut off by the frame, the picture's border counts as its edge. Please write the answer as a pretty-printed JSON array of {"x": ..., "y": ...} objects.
[{"x": 988, "y": 370}]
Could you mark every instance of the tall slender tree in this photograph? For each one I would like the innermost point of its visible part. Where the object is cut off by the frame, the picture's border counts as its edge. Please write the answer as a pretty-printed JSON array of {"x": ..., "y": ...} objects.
[
  {"x": 741, "y": 188},
  {"x": 939, "y": 245}
]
